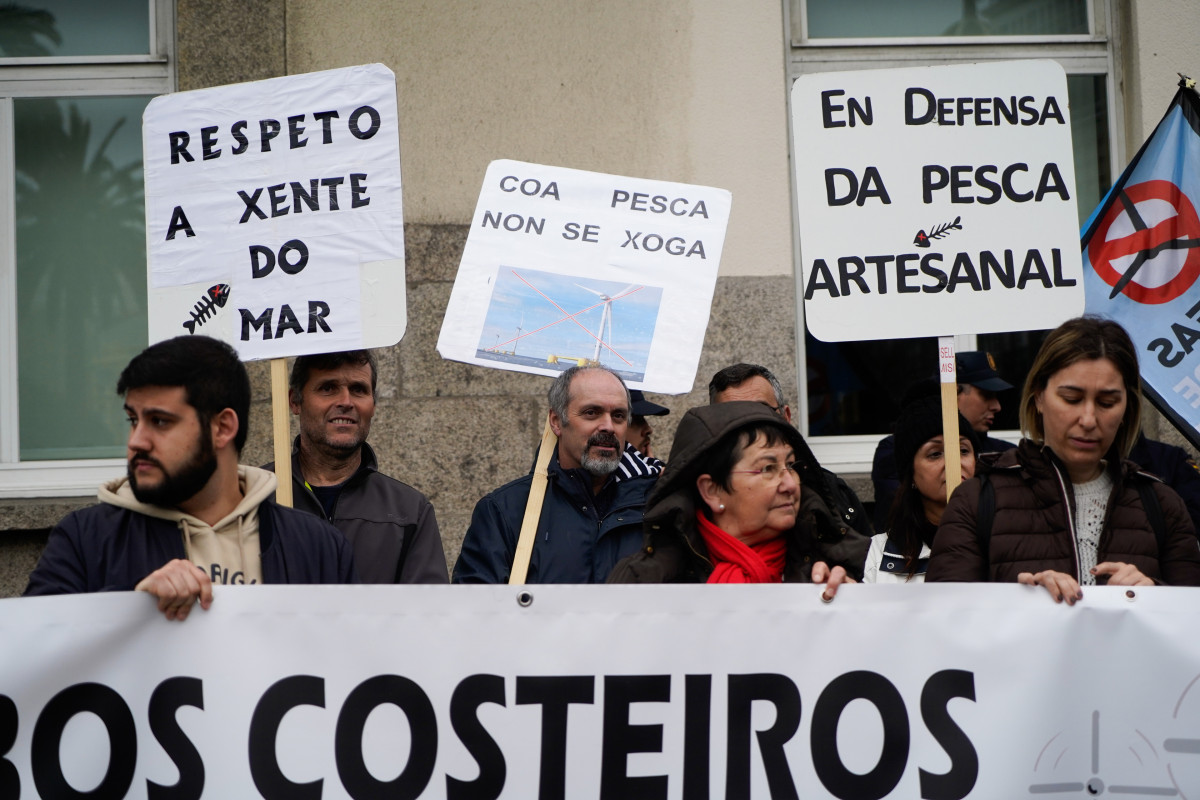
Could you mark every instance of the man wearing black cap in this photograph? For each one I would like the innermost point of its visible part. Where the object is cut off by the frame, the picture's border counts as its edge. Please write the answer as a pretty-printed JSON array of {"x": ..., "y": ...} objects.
[
  {"x": 639, "y": 427},
  {"x": 978, "y": 387}
]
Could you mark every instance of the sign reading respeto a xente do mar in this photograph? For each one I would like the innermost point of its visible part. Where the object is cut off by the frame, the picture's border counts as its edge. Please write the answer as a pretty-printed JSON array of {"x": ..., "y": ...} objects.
[
  {"x": 564, "y": 267},
  {"x": 273, "y": 213},
  {"x": 936, "y": 201}
]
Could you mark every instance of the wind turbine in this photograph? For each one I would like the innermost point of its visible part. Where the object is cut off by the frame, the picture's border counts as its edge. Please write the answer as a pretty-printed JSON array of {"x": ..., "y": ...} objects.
[{"x": 605, "y": 317}]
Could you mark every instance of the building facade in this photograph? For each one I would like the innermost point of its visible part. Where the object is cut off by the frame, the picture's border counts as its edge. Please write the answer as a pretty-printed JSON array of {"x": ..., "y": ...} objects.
[{"x": 694, "y": 91}]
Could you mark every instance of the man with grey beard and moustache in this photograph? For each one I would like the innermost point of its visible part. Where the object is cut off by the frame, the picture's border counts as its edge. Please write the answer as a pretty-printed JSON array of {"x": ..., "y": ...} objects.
[
  {"x": 592, "y": 514},
  {"x": 187, "y": 515}
]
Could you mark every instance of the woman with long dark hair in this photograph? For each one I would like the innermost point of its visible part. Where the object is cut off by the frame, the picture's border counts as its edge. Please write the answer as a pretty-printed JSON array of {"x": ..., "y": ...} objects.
[{"x": 901, "y": 554}]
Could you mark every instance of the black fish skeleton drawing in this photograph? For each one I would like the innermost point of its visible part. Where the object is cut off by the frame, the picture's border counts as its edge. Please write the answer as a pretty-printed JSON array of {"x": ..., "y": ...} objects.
[
  {"x": 937, "y": 232},
  {"x": 214, "y": 298}
]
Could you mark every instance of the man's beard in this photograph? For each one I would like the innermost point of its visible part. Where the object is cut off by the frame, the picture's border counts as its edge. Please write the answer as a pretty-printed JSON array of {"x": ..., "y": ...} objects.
[
  {"x": 342, "y": 449},
  {"x": 182, "y": 485},
  {"x": 597, "y": 465}
]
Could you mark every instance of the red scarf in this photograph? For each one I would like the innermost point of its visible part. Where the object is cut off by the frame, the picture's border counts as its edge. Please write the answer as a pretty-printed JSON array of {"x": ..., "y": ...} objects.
[{"x": 736, "y": 562}]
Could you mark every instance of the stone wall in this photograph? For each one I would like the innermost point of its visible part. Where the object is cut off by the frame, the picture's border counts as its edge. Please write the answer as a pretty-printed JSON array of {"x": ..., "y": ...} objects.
[{"x": 456, "y": 431}]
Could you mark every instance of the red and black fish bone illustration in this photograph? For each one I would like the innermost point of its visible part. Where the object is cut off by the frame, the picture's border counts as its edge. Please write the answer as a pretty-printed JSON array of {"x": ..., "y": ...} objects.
[
  {"x": 216, "y": 297},
  {"x": 922, "y": 238}
]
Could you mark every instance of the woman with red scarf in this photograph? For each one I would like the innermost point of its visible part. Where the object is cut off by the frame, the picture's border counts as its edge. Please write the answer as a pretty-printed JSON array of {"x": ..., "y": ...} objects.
[{"x": 731, "y": 507}]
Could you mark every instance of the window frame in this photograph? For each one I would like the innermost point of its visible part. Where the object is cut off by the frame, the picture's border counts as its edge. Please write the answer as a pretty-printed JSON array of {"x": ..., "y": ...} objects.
[
  {"x": 150, "y": 73},
  {"x": 1097, "y": 53}
]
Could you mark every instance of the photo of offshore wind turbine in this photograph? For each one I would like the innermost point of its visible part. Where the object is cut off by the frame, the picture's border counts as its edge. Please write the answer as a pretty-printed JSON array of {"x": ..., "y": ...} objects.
[
  {"x": 561, "y": 321},
  {"x": 606, "y": 317}
]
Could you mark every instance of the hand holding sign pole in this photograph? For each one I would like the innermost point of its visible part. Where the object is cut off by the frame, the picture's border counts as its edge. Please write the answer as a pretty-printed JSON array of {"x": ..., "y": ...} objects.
[
  {"x": 566, "y": 268},
  {"x": 936, "y": 201},
  {"x": 274, "y": 219}
]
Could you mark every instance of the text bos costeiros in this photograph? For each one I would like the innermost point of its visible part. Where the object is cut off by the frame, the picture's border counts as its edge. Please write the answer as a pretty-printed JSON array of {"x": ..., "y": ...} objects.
[{"x": 618, "y": 738}]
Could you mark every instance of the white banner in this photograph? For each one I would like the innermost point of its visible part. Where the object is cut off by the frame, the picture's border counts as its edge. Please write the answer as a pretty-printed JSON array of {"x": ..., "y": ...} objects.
[
  {"x": 564, "y": 267},
  {"x": 985, "y": 691},
  {"x": 936, "y": 201},
  {"x": 273, "y": 213}
]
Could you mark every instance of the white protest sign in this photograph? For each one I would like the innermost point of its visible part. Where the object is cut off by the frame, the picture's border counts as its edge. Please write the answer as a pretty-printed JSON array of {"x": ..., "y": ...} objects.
[
  {"x": 937, "y": 691},
  {"x": 936, "y": 201},
  {"x": 273, "y": 213},
  {"x": 564, "y": 267}
]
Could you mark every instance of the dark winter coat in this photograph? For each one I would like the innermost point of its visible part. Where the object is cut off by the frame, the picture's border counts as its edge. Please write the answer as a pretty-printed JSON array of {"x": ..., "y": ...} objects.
[
  {"x": 106, "y": 548},
  {"x": 390, "y": 525},
  {"x": 580, "y": 536},
  {"x": 1177, "y": 469},
  {"x": 1032, "y": 529}
]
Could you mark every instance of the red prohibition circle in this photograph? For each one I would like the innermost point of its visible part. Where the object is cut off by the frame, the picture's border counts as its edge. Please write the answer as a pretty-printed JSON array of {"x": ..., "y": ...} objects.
[{"x": 1184, "y": 225}]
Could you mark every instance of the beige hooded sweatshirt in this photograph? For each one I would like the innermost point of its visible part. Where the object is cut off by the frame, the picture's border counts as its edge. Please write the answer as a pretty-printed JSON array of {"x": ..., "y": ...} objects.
[{"x": 228, "y": 551}]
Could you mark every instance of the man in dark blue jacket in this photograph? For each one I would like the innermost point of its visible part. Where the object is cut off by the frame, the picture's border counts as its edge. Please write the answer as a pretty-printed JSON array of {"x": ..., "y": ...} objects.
[
  {"x": 187, "y": 515},
  {"x": 592, "y": 514}
]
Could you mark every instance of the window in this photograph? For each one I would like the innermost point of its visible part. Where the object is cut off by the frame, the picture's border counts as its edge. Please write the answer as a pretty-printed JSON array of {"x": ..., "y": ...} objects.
[
  {"x": 850, "y": 393},
  {"x": 75, "y": 76}
]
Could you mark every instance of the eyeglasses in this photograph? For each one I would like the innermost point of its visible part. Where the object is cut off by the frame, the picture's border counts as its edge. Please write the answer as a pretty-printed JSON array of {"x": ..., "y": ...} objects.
[{"x": 773, "y": 473}]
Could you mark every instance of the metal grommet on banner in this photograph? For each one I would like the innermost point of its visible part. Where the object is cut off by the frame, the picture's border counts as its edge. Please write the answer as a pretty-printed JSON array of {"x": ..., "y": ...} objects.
[
  {"x": 1130, "y": 595},
  {"x": 524, "y": 599},
  {"x": 826, "y": 598}
]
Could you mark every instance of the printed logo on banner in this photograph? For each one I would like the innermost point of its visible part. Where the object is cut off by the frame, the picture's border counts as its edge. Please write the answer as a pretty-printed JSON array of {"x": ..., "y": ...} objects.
[
  {"x": 1110, "y": 753},
  {"x": 1121, "y": 762},
  {"x": 1183, "y": 761},
  {"x": 1141, "y": 254}
]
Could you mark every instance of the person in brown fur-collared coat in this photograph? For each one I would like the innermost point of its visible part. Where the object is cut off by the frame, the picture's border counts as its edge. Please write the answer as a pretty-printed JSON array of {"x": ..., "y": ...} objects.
[{"x": 736, "y": 504}]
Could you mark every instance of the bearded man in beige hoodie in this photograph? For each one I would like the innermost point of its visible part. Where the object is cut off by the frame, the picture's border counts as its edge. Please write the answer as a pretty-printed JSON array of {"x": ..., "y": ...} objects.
[{"x": 187, "y": 515}]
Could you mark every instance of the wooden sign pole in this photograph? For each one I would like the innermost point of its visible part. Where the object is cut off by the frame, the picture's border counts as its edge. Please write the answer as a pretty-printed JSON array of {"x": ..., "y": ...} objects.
[
  {"x": 533, "y": 507},
  {"x": 948, "y": 375},
  {"x": 281, "y": 417}
]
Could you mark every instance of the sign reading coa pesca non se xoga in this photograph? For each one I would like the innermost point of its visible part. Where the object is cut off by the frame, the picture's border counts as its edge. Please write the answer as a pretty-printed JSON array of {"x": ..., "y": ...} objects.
[
  {"x": 565, "y": 268},
  {"x": 273, "y": 213},
  {"x": 936, "y": 201}
]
